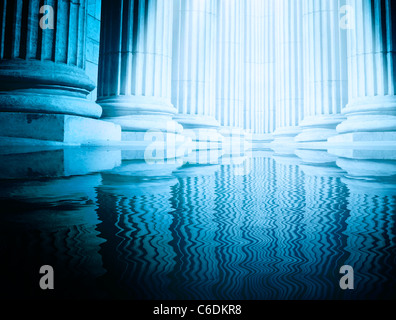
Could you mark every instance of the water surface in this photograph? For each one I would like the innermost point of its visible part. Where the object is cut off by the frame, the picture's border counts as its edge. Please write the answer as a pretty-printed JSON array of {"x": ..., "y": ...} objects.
[{"x": 266, "y": 225}]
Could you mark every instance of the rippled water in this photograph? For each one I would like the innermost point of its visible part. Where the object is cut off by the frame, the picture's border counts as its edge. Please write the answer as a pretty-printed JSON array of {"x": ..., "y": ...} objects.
[{"x": 265, "y": 226}]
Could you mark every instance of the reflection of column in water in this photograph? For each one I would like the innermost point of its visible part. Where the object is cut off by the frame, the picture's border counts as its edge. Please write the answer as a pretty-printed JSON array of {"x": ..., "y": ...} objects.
[
  {"x": 193, "y": 232},
  {"x": 135, "y": 213},
  {"x": 257, "y": 228},
  {"x": 371, "y": 226},
  {"x": 33, "y": 162},
  {"x": 51, "y": 222},
  {"x": 288, "y": 254},
  {"x": 324, "y": 225},
  {"x": 228, "y": 218}
]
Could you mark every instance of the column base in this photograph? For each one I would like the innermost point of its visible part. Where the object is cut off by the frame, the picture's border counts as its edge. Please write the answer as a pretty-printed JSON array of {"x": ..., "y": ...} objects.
[
  {"x": 57, "y": 128},
  {"x": 286, "y": 135},
  {"x": 319, "y": 128},
  {"x": 35, "y": 86},
  {"x": 202, "y": 130},
  {"x": 204, "y": 139},
  {"x": 261, "y": 141},
  {"x": 234, "y": 142},
  {"x": 365, "y": 138},
  {"x": 315, "y": 135},
  {"x": 370, "y": 114},
  {"x": 380, "y": 153},
  {"x": 153, "y": 146}
]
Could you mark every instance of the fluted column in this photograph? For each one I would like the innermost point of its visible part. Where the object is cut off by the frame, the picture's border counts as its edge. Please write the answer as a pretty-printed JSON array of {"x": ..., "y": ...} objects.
[
  {"x": 325, "y": 65},
  {"x": 259, "y": 82},
  {"x": 371, "y": 110},
  {"x": 134, "y": 86},
  {"x": 193, "y": 71},
  {"x": 42, "y": 70},
  {"x": 289, "y": 68},
  {"x": 230, "y": 67}
]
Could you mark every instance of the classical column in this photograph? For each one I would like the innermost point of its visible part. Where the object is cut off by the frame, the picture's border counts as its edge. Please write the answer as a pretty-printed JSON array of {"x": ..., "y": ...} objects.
[
  {"x": 193, "y": 71},
  {"x": 325, "y": 66},
  {"x": 230, "y": 68},
  {"x": 287, "y": 218},
  {"x": 371, "y": 110},
  {"x": 43, "y": 85},
  {"x": 289, "y": 69},
  {"x": 134, "y": 82},
  {"x": 259, "y": 82}
]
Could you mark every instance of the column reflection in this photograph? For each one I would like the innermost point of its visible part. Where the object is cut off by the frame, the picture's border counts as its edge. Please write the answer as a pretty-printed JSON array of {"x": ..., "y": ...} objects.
[
  {"x": 134, "y": 205},
  {"x": 371, "y": 226}
]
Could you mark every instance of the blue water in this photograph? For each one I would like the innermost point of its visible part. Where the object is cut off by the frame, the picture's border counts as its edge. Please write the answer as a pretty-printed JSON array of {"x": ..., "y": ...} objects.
[{"x": 263, "y": 226}]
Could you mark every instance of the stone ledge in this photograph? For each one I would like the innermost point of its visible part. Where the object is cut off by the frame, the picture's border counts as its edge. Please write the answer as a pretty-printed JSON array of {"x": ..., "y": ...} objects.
[
  {"x": 365, "y": 137},
  {"x": 65, "y": 162},
  {"x": 66, "y": 129}
]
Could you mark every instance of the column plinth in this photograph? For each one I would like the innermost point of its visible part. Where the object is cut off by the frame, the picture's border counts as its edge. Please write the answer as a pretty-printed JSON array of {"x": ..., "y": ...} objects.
[{"x": 319, "y": 128}]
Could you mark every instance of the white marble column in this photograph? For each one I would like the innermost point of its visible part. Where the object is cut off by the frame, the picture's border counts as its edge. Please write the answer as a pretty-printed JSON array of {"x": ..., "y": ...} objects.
[
  {"x": 193, "y": 71},
  {"x": 371, "y": 110},
  {"x": 289, "y": 69},
  {"x": 325, "y": 66},
  {"x": 259, "y": 81},
  {"x": 135, "y": 64},
  {"x": 43, "y": 85},
  {"x": 230, "y": 69}
]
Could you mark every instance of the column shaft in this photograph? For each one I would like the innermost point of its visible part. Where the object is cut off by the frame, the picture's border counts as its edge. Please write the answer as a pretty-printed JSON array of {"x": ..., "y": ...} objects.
[
  {"x": 193, "y": 71},
  {"x": 230, "y": 63},
  {"x": 325, "y": 65},
  {"x": 259, "y": 82},
  {"x": 289, "y": 68},
  {"x": 230, "y": 74}
]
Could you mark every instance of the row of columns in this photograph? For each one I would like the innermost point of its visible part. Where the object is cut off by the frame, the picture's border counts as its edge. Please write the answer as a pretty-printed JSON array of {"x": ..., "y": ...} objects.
[
  {"x": 285, "y": 67},
  {"x": 346, "y": 86}
]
